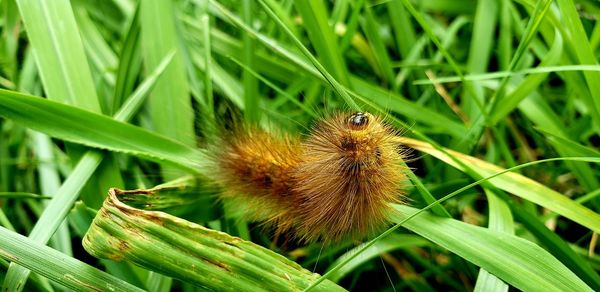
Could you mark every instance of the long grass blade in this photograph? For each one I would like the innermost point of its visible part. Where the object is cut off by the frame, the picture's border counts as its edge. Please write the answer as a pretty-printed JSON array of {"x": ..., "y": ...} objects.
[{"x": 57, "y": 266}]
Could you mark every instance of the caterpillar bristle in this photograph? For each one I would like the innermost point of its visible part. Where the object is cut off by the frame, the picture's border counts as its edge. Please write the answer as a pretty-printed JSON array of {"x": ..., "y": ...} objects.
[
  {"x": 349, "y": 174},
  {"x": 337, "y": 183},
  {"x": 256, "y": 166}
]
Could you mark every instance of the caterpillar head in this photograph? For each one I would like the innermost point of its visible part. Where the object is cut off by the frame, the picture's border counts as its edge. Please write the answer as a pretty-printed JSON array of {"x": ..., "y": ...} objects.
[{"x": 361, "y": 135}]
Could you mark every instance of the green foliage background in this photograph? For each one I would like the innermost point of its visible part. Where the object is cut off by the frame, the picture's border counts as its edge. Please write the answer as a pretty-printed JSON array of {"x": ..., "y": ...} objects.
[{"x": 126, "y": 94}]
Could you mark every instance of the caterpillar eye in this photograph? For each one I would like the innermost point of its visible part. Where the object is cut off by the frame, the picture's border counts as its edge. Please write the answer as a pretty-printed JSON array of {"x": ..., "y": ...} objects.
[{"x": 358, "y": 121}]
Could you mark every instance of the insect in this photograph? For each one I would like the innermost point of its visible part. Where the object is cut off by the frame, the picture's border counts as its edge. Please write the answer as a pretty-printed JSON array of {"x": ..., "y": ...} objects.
[{"x": 337, "y": 183}]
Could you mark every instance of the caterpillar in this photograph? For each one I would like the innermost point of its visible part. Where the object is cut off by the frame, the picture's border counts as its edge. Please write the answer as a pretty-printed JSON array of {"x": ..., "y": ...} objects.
[{"x": 337, "y": 183}]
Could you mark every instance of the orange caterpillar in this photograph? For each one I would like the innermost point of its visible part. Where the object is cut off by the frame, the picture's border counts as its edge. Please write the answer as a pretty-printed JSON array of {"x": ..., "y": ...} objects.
[{"x": 337, "y": 183}]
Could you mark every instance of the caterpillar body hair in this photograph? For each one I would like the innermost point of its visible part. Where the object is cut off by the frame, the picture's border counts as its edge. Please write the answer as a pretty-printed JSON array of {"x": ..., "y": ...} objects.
[{"x": 337, "y": 183}]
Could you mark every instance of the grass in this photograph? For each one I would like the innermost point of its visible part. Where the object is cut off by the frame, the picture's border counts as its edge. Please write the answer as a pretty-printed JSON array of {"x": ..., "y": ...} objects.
[{"x": 497, "y": 99}]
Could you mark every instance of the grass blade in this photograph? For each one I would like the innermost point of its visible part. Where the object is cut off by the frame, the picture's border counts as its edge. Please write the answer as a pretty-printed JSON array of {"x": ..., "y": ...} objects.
[
  {"x": 388, "y": 244},
  {"x": 251, "y": 97},
  {"x": 59, "y": 206},
  {"x": 316, "y": 21},
  {"x": 501, "y": 220},
  {"x": 204, "y": 257},
  {"x": 130, "y": 62},
  {"x": 170, "y": 102},
  {"x": 57, "y": 266},
  {"x": 66, "y": 76},
  {"x": 50, "y": 184},
  {"x": 515, "y": 260},
  {"x": 337, "y": 87},
  {"x": 94, "y": 130},
  {"x": 59, "y": 52},
  {"x": 518, "y": 185},
  {"x": 584, "y": 53},
  {"x": 457, "y": 243}
]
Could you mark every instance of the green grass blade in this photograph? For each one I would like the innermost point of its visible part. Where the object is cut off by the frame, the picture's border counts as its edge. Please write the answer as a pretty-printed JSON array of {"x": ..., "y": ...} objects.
[
  {"x": 442, "y": 49},
  {"x": 536, "y": 108},
  {"x": 22, "y": 195},
  {"x": 102, "y": 58},
  {"x": 438, "y": 210},
  {"x": 207, "y": 258},
  {"x": 423, "y": 147},
  {"x": 251, "y": 97},
  {"x": 501, "y": 220},
  {"x": 404, "y": 32},
  {"x": 505, "y": 40},
  {"x": 554, "y": 243},
  {"x": 130, "y": 62},
  {"x": 407, "y": 108},
  {"x": 279, "y": 90},
  {"x": 533, "y": 25},
  {"x": 10, "y": 43},
  {"x": 208, "y": 86},
  {"x": 527, "y": 85},
  {"x": 224, "y": 82},
  {"x": 59, "y": 206},
  {"x": 584, "y": 53},
  {"x": 480, "y": 50},
  {"x": 388, "y": 244},
  {"x": 316, "y": 21},
  {"x": 170, "y": 102},
  {"x": 94, "y": 130},
  {"x": 157, "y": 282},
  {"x": 351, "y": 27},
  {"x": 54, "y": 213},
  {"x": 65, "y": 73},
  {"x": 372, "y": 29},
  {"x": 530, "y": 269},
  {"x": 56, "y": 266},
  {"x": 49, "y": 185},
  {"x": 59, "y": 52},
  {"x": 518, "y": 185},
  {"x": 80, "y": 219},
  {"x": 503, "y": 74},
  {"x": 267, "y": 41},
  {"x": 575, "y": 149},
  {"x": 137, "y": 98},
  {"x": 381, "y": 96},
  {"x": 335, "y": 85}
]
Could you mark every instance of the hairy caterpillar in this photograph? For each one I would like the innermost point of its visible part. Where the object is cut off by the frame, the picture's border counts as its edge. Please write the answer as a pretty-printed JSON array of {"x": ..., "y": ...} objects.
[{"x": 337, "y": 183}]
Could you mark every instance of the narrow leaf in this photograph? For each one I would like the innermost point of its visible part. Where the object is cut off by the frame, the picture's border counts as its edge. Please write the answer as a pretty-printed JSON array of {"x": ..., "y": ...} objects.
[
  {"x": 57, "y": 266},
  {"x": 178, "y": 248}
]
